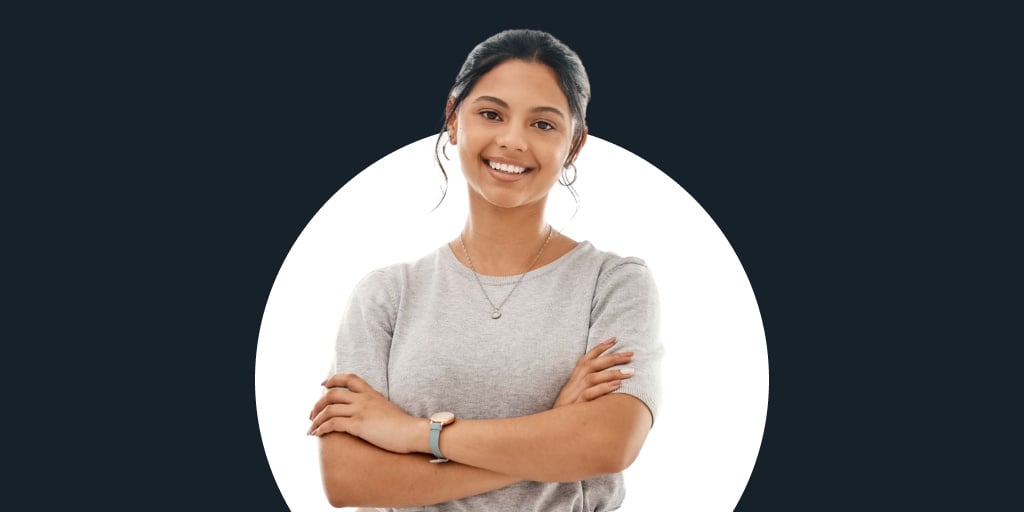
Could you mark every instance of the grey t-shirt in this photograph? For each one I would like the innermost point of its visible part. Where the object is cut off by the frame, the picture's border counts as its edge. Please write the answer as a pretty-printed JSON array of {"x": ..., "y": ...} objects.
[{"x": 422, "y": 334}]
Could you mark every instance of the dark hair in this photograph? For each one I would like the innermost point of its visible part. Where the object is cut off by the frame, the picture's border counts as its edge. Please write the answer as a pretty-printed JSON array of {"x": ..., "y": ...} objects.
[{"x": 530, "y": 46}]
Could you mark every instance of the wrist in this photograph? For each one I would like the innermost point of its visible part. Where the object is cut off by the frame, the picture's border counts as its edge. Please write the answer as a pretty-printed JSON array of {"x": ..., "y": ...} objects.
[{"x": 418, "y": 435}]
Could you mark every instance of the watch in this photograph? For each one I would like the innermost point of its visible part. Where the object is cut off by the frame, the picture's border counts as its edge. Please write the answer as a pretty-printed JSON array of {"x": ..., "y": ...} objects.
[{"x": 437, "y": 421}]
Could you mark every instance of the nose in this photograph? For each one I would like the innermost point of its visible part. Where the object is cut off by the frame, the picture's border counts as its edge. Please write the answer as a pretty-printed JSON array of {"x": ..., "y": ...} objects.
[{"x": 511, "y": 137}]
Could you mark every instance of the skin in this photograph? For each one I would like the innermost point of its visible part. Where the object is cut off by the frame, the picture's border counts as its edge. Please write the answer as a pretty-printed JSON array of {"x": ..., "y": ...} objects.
[
  {"x": 515, "y": 114},
  {"x": 384, "y": 478},
  {"x": 375, "y": 454}
]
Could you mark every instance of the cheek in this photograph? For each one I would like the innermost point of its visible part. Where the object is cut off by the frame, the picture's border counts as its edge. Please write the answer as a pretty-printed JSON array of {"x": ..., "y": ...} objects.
[
  {"x": 559, "y": 153},
  {"x": 468, "y": 148},
  {"x": 469, "y": 138}
]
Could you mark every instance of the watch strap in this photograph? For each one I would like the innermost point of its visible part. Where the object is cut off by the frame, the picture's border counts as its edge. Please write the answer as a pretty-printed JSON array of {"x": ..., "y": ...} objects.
[{"x": 435, "y": 437}]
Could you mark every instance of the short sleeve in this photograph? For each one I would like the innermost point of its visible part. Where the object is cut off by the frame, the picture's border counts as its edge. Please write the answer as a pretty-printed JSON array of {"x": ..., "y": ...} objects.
[
  {"x": 626, "y": 306},
  {"x": 364, "y": 336}
]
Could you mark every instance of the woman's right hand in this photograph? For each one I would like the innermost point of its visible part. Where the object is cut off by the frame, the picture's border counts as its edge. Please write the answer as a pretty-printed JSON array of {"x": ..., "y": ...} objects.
[{"x": 591, "y": 378}]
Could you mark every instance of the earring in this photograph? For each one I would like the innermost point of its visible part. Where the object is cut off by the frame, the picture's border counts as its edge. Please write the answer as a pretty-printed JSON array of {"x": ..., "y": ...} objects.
[{"x": 564, "y": 180}]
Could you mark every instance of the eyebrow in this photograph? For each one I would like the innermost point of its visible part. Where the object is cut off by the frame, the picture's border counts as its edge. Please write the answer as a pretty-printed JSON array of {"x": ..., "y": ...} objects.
[{"x": 503, "y": 104}]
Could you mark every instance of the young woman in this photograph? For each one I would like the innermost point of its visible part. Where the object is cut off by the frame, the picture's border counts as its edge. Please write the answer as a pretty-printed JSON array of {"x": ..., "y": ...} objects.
[{"x": 492, "y": 373}]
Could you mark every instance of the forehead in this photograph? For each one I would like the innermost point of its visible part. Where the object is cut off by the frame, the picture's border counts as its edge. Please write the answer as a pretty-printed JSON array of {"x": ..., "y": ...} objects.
[{"x": 522, "y": 84}]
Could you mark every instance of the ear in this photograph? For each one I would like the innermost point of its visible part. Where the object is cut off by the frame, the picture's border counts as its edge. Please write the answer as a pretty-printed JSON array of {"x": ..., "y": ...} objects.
[
  {"x": 453, "y": 120},
  {"x": 575, "y": 150}
]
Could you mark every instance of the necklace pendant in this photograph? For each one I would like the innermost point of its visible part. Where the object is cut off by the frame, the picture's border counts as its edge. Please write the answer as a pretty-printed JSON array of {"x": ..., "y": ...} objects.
[{"x": 496, "y": 314}]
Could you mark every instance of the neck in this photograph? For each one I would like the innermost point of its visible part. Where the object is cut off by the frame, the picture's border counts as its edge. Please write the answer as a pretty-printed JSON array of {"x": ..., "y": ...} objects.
[{"x": 504, "y": 241}]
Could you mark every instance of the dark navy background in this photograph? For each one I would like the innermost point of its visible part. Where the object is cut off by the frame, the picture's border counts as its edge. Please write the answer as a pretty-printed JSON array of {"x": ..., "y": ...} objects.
[{"x": 167, "y": 159}]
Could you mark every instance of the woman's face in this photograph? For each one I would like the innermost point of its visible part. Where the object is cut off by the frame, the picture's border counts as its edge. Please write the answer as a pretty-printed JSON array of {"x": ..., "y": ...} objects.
[{"x": 513, "y": 132}]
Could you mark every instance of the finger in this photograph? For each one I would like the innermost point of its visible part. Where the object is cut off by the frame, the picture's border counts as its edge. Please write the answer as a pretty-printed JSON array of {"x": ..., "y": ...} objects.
[
  {"x": 605, "y": 362},
  {"x": 331, "y": 411},
  {"x": 331, "y": 396},
  {"x": 338, "y": 424},
  {"x": 608, "y": 375},
  {"x": 598, "y": 349},
  {"x": 600, "y": 390},
  {"x": 348, "y": 380}
]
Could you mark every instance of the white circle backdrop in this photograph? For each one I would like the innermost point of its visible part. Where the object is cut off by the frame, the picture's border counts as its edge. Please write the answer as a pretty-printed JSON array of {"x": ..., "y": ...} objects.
[{"x": 703, "y": 446}]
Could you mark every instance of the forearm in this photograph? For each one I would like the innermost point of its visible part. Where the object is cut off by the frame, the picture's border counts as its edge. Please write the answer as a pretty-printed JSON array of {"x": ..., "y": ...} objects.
[
  {"x": 358, "y": 474},
  {"x": 564, "y": 444}
]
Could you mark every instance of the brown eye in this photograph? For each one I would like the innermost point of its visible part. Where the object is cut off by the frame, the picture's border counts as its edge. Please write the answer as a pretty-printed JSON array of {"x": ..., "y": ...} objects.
[
  {"x": 490, "y": 115},
  {"x": 544, "y": 125}
]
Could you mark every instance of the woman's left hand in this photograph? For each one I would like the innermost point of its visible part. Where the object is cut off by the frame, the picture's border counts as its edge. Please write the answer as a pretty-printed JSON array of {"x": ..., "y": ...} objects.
[{"x": 351, "y": 405}]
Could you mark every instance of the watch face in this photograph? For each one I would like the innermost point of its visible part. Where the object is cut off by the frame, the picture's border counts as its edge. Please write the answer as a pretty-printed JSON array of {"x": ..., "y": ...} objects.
[{"x": 443, "y": 418}]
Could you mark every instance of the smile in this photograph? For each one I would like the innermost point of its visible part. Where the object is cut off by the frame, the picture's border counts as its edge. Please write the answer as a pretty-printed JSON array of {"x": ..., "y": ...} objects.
[{"x": 507, "y": 168}]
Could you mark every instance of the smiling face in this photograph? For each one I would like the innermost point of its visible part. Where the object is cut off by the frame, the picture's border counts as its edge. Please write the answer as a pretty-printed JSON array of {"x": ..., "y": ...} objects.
[{"x": 514, "y": 133}]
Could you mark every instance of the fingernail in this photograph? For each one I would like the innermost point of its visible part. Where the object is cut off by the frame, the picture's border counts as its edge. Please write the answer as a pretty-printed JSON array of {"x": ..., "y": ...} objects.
[{"x": 628, "y": 371}]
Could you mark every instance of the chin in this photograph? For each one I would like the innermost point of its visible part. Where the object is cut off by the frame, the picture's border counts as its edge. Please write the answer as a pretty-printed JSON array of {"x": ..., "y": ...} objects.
[{"x": 502, "y": 199}]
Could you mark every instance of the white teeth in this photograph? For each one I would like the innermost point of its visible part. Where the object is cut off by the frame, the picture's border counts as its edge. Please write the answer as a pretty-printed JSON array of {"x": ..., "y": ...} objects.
[{"x": 506, "y": 168}]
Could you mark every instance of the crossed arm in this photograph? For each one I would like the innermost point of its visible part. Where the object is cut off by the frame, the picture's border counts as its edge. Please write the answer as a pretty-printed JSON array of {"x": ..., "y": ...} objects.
[
  {"x": 374, "y": 454},
  {"x": 358, "y": 474}
]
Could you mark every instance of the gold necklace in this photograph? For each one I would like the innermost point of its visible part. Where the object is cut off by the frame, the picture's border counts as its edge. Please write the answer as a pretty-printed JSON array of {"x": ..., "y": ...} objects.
[{"x": 496, "y": 310}]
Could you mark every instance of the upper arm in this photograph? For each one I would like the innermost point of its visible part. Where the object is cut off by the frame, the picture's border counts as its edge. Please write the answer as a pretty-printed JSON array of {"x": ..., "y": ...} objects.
[
  {"x": 363, "y": 343},
  {"x": 362, "y": 347},
  {"x": 626, "y": 305}
]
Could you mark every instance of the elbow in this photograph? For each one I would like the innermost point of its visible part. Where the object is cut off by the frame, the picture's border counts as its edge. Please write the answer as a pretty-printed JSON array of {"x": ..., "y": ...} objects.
[
  {"x": 619, "y": 458},
  {"x": 336, "y": 493},
  {"x": 341, "y": 486},
  {"x": 622, "y": 447},
  {"x": 342, "y": 494},
  {"x": 336, "y": 501},
  {"x": 624, "y": 440}
]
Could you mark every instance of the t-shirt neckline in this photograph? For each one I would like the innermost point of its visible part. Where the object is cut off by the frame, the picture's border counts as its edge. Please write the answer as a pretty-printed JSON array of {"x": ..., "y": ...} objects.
[{"x": 448, "y": 255}]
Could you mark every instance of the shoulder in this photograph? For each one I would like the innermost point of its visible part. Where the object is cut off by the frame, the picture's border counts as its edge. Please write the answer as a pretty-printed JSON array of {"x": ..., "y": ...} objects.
[
  {"x": 613, "y": 267},
  {"x": 395, "y": 277},
  {"x": 375, "y": 287}
]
